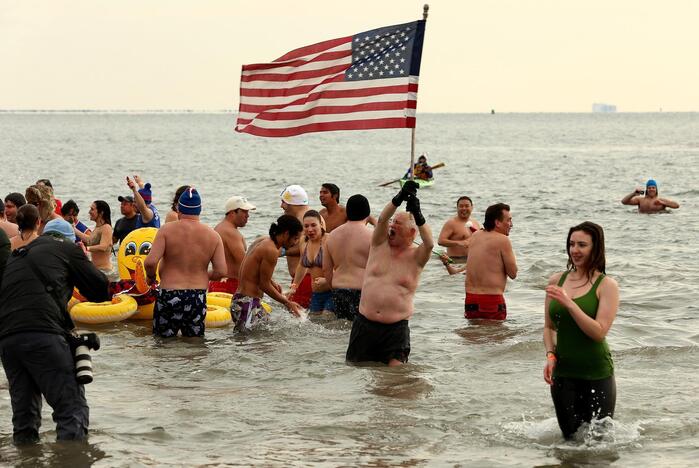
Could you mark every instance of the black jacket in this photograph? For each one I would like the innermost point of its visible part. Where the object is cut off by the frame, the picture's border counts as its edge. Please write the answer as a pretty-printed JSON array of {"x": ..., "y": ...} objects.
[
  {"x": 4, "y": 252},
  {"x": 25, "y": 303}
]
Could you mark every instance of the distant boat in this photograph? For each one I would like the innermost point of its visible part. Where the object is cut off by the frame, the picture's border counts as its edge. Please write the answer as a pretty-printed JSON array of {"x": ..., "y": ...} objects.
[{"x": 603, "y": 108}]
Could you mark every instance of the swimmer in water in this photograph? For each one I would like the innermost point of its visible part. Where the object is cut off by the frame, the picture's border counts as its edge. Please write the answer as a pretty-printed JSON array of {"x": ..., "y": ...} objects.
[
  {"x": 457, "y": 231},
  {"x": 649, "y": 202}
]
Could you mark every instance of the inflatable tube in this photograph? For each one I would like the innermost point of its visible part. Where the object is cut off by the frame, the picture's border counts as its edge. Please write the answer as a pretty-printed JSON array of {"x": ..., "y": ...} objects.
[
  {"x": 144, "y": 312},
  {"x": 119, "y": 308},
  {"x": 217, "y": 316},
  {"x": 222, "y": 299},
  {"x": 73, "y": 300}
]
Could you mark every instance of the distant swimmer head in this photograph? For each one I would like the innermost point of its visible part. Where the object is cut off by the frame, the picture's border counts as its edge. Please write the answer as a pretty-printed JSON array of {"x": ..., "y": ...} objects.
[
  {"x": 294, "y": 195},
  {"x": 190, "y": 202},
  {"x": 146, "y": 194},
  {"x": 358, "y": 208},
  {"x": 61, "y": 227}
]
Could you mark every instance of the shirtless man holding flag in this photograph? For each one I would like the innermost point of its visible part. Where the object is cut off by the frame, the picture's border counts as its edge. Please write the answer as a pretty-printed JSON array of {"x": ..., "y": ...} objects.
[{"x": 380, "y": 331}]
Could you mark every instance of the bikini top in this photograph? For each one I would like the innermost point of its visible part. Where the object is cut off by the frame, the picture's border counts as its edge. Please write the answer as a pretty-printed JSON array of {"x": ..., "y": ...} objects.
[{"x": 317, "y": 262}]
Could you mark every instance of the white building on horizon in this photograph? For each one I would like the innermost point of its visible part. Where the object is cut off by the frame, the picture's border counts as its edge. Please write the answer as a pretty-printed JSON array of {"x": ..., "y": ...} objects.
[{"x": 602, "y": 107}]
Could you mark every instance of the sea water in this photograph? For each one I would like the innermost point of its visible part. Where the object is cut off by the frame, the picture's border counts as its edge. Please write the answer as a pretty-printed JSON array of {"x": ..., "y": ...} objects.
[{"x": 471, "y": 395}]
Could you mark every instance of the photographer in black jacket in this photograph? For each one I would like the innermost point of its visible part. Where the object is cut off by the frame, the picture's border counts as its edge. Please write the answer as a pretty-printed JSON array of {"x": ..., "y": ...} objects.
[{"x": 35, "y": 331}]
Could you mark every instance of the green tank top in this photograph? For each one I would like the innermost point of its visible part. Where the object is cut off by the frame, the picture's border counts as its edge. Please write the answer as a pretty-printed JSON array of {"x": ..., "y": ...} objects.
[{"x": 579, "y": 356}]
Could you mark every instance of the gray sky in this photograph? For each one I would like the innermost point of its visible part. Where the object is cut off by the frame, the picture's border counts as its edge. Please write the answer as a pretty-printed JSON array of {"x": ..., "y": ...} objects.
[{"x": 510, "y": 55}]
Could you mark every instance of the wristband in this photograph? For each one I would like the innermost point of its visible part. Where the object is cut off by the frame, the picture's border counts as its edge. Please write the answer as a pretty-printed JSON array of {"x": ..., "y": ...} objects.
[{"x": 551, "y": 356}]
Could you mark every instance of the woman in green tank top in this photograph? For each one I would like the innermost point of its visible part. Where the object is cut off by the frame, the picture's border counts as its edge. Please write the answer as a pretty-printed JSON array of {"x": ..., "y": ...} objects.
[{"x": 581, "y": 304}]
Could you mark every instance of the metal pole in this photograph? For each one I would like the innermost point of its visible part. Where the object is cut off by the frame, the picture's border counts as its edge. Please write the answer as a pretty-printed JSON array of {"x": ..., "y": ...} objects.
[
  {"x": 412, "y": 155},
  {"x": 425, "y": 9}
]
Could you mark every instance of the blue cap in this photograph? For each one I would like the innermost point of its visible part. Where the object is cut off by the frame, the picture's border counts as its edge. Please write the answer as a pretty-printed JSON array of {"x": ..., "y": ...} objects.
[
  {"x": 189, "y": 202},
  {"x": 651, "y": 183},
  {"x": 61, "y": 227}
]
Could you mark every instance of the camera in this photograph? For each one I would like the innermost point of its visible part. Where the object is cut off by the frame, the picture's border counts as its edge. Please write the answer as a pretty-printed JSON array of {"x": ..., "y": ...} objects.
[
  {"x": 640, "y": 192},
  {"x": 81, "y": 344}
]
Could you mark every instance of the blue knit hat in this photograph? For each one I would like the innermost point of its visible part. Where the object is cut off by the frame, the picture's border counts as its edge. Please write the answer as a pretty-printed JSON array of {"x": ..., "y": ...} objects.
[
  {"x": 189, "y": 202},
  {"x": 61, "y": 227},
  {"x": 146, "y": 193}
]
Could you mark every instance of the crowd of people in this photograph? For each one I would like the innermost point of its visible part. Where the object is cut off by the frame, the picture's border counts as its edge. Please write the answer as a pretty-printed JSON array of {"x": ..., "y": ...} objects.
[{"x": 336, "y": 265}]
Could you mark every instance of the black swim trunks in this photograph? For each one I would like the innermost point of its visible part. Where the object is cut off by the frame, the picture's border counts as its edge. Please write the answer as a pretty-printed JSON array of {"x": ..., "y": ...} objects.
[
  {"x": 378, "y": 342},
  {"x": 179, "y": 309},
  {"x": 346, "y": 302}
]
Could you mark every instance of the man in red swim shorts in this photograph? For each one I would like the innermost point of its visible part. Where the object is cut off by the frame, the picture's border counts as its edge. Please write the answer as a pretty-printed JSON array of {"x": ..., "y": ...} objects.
[{"x": 490, "y": 262}]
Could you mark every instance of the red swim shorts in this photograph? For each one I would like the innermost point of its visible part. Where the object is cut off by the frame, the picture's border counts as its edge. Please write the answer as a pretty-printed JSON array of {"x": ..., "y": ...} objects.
[
  {"x": 485, "y": 306},
  {"x": 229, "y": 285},
  {"x": 302, "y": 296}
]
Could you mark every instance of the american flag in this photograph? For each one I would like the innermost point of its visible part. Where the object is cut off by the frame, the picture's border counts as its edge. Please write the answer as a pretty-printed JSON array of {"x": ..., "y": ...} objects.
[{"x": 358, "y": 82}]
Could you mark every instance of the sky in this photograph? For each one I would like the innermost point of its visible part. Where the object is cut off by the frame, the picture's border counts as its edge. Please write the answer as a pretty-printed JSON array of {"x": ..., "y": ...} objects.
[{"x": 507, "y": 55}]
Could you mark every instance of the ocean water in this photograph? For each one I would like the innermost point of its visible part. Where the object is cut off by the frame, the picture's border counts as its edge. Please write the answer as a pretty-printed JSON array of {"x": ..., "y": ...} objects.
[{"x": 471, "y": 395}]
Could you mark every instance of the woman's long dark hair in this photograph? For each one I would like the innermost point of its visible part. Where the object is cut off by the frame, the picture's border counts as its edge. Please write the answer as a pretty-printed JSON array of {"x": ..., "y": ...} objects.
[
  {"x": 597, "y": 259},
  {"x": 285, "y": 223},
  {"x": 27, "y": 216},
  {"x": 104, "y": 211}
]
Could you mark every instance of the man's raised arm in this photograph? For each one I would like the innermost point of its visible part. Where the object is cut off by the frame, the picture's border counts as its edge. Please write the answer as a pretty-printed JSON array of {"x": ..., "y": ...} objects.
[
  {"x": 425, "y": 249},
  {"x": 380, "y": 234}
]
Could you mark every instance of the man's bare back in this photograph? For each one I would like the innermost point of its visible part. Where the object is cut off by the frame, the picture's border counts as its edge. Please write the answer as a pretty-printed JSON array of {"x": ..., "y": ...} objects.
[
  {"x": 490, "y": 261},
  {"x": 347, "y": 253},
  {"x": 184, "y": 249}
]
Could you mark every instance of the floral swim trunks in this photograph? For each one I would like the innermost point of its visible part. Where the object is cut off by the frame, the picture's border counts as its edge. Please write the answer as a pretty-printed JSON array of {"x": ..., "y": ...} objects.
[
  {"x": 246, "y": 311},
  {"x": 179, "y": 309}
]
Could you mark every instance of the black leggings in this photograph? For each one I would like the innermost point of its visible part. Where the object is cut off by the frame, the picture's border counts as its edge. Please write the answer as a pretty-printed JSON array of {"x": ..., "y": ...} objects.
[{"x": 578, "y": 401}]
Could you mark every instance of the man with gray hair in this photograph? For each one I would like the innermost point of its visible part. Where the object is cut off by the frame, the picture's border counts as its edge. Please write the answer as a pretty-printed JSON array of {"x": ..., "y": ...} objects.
[{"x": 380, "y": 331}]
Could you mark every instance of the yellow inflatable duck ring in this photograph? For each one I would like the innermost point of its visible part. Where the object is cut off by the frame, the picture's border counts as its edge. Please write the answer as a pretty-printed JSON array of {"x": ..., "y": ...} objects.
[{"x": 133, "y": 251}]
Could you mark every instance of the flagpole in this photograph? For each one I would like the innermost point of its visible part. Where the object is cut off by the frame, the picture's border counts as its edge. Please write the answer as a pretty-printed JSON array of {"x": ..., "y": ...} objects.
[{"x": 425, "y": 10}]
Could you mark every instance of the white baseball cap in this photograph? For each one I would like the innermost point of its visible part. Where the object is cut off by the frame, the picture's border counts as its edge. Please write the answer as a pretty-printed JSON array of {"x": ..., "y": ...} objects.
[
  {"x": 236, "y": 202},
  {"x": 295, "y": 195}
]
